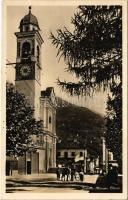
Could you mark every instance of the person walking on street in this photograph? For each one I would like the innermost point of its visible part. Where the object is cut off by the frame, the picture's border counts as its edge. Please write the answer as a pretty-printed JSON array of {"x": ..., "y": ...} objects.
[
  {"x": 68, "y": 172},
  {"x": 109, "y": 177},
  {"x": 58, "y": 173},
  {"x": 73, "y": 173},
  {"x": 114, "y": 176},
  {"x": 64, "y": 172},
  {"x": 81, "y": 175}
]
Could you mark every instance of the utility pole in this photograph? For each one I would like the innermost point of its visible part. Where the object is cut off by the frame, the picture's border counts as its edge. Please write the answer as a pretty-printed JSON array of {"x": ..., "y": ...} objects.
[
  {"x": 46, "y": 154},
  {"x": 85, "y": 163}
]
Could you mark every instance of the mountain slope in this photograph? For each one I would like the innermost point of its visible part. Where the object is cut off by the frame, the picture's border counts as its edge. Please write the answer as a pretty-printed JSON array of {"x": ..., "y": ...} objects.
[{"x": 78, "y": 127}]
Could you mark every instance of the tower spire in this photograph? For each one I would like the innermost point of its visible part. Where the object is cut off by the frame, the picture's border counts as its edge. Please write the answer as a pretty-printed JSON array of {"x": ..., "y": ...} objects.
[{"x": 30, "y": 9}]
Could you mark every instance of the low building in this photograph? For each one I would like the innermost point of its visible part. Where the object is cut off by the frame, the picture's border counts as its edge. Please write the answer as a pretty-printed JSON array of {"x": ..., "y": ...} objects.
[
  {"x": 71, "y": 155},
  {"x": 77, "y": 155}
]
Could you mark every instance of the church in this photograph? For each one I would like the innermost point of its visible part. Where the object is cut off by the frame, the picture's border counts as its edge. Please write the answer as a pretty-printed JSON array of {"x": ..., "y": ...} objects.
[{"x": 42, "y": 156}]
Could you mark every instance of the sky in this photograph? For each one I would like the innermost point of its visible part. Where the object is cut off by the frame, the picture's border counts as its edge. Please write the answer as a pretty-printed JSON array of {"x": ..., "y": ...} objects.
[{"x": 50, "y": 18}]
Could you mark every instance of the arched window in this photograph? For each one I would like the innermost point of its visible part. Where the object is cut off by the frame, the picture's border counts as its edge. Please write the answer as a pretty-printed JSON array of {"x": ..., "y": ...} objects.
[
  {"x": 38, "y": 53},
  {"x": 26, "y": 50},
  {"x": 50, "y": 120},
  {"x": 26, "y": 28}
]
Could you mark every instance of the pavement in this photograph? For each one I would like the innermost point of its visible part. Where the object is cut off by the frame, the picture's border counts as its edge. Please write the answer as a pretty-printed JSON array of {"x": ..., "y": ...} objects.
[
  {"x": 45, "y": 190},
  {"x": 48, "y": 182},
  {"x": 47, "y": 178}
]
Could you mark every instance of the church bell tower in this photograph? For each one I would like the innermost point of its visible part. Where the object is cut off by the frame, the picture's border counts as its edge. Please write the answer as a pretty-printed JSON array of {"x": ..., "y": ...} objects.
[{"x": 28, "y": 67}]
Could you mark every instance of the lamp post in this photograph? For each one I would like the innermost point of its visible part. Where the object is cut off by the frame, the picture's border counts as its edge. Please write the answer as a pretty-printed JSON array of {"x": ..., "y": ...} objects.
[
  {"x": 108, "y": 150},
  {"x": 85, "y": 162},
  {"x": 46, "y": 153},
  {"x": 104, "y": 156}
]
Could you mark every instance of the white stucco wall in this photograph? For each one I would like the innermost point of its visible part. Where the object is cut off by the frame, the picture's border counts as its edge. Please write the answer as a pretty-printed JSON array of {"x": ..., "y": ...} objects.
[{"x": 76, "y": 151}]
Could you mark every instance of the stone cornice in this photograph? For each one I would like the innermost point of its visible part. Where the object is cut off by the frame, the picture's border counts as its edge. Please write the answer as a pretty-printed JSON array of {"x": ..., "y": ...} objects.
[{"x": 30, "y": 33}]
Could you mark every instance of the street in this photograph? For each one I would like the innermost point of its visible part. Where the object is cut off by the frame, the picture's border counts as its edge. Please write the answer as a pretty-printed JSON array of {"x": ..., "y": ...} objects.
[
  {"x": 47, "y": 183},
  {"x": 44, "y": 190}
]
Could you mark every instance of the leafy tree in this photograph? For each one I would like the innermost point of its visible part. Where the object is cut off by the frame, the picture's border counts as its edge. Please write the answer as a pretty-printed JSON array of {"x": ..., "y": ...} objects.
[
  {"x": 93, "y": 52},
  {"x": 20, "y": 124}
]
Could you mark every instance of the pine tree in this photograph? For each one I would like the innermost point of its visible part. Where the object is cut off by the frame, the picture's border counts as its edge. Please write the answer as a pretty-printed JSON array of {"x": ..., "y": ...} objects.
[
  {"x": 20, "y": 124},
  {"x": 114, "y": 123},
  {"x": 93, "y": 52}
]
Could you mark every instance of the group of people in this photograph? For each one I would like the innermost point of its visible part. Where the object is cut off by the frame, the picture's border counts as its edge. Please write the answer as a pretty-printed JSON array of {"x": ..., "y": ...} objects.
[
  {"x": 73, "y": 173},
  {"x": 69, "y": 173}
]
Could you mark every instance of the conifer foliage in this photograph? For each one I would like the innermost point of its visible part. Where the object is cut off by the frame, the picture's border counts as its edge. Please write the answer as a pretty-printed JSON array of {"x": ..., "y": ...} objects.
[
  {"x": 93, "y": 52},
  {"x": 20, "y": 124},
  {"x": 114, "y": 123}
]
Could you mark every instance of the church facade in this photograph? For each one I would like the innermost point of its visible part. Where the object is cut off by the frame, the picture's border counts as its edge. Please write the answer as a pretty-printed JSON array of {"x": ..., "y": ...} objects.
[{"x": 42, "y": 155}]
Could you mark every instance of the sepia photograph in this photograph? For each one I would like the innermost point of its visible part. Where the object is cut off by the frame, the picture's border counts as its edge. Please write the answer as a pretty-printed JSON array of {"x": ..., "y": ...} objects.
[{"x": 64, "y": 114}]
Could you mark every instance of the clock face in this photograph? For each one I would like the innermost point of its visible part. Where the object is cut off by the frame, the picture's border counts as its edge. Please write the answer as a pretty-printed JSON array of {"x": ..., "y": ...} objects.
[{"x": 25, "y": 70}]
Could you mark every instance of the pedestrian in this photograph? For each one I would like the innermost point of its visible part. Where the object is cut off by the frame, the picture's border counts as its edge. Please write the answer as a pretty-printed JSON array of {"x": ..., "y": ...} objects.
[
  {"x": 81, "y": 173},
  {"x": 109, "y": 177},
  {"x": 64, "y": 172},
  {"x": 73, "y": 171},
  {"x": 114, "y": 175},
  {"x": 68, "y": 172},
  {"x": 58, "y": 173}
]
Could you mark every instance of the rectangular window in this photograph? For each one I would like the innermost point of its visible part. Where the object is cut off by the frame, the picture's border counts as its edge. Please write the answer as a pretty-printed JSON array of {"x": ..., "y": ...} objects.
[
  {"x": 73, "y": 153},
  {"x": 58, "y": 154},
  {"x": 81, "y": 153},
  {"x": 18, "y": 49},
  {"x": 66, "y": 154},
  {"x": 26, "y": 28}
]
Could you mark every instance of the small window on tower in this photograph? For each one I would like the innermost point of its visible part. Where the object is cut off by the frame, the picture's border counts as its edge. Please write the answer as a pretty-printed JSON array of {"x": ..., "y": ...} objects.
[
  {"x": 21, "y": 28},
  {"x": 26, "y": 28},
  {"x": 26, "y": 50},
  {"x": 18, "y": 49},
  {"x": 38, "y": 53},
  {"x": 50, "y": 119}
]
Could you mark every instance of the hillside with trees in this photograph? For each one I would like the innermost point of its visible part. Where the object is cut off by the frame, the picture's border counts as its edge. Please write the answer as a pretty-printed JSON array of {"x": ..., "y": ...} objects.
[{"x": 79, "y": 127}]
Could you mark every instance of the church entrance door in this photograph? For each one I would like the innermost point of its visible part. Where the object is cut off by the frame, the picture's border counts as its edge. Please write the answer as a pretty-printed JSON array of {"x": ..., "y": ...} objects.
[{"x": 28, "y": 167}]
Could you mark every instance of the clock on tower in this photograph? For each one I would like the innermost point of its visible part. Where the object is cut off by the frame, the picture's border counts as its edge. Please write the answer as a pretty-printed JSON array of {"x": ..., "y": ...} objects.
[{"x": 28, "y": 67}]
